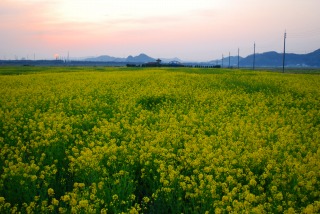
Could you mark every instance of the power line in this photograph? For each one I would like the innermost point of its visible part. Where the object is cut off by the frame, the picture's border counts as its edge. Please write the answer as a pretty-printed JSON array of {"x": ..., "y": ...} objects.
[{"x": 305, "y": 34}]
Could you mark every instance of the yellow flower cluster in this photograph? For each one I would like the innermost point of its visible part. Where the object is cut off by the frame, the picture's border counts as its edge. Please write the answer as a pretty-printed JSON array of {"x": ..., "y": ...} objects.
[{"x": 124, "y": 140}]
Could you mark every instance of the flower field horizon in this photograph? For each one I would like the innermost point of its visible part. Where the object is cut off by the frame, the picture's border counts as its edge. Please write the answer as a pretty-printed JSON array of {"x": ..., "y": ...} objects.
[{"x": 158, "y": 140}]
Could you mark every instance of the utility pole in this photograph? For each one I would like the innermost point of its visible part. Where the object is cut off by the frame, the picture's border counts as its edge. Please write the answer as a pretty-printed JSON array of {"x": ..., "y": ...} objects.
[
  {"x": 238, "y": 58},
  {"x": 229, "y": 59},
  {"x": 222, "y": 61},
  {"x": 254, "y": 55},
  {"x": 284, "y": 51}
]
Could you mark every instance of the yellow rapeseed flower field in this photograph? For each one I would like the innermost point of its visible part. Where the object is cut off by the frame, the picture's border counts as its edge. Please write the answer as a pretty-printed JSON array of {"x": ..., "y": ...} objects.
[{"x": 158, "y": 140}]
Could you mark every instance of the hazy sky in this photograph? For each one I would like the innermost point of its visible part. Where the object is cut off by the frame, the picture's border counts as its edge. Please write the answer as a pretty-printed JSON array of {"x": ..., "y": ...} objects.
[{"x": 197, "y": 30}]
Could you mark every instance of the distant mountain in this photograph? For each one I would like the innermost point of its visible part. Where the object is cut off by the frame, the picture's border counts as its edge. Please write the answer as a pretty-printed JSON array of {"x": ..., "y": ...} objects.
[
  {"x": 142, "y": 58},
  {"x": 267, "y": 59},
  {"x": 105, "y": 58},
  {"x": 233, "y": 61},
  {"x": 274, "y": 59},
  {"x": 167, "y": 60},
  {"x": 313, "y": 59}
]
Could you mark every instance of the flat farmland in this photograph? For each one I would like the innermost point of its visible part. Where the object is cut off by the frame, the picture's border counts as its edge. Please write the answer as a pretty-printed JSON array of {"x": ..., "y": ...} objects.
[{"x": 158, "y": 140}]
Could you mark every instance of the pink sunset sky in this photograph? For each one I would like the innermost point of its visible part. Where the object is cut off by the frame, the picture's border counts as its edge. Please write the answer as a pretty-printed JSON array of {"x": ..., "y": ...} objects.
[{"x": 197, "y": 30}]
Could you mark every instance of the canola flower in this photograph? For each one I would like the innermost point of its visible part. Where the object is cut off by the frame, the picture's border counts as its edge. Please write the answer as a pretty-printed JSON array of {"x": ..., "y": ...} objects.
[{"x": 123, "y": 140}]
